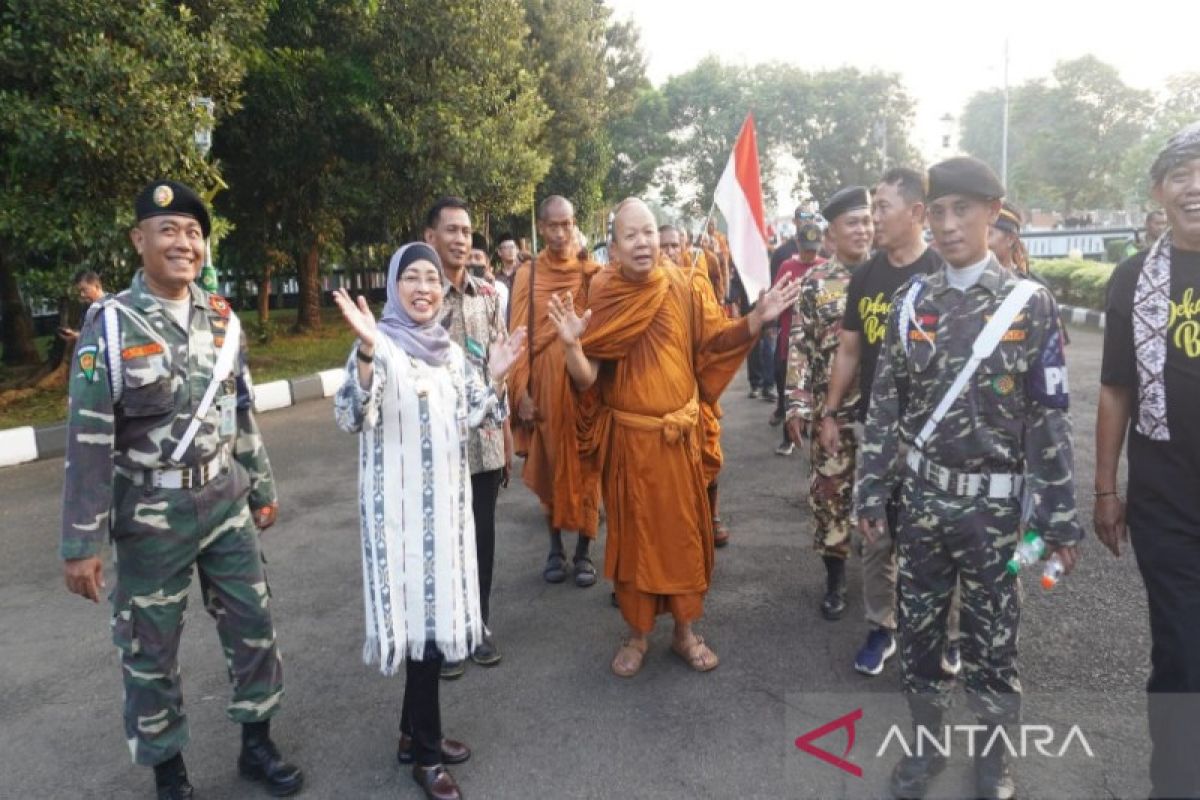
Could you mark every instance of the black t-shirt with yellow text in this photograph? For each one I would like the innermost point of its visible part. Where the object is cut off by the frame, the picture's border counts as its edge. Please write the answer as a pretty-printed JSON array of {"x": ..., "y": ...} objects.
[
  {"x": 1164, "y": 477},
  {"x": 868, "y": 303}
]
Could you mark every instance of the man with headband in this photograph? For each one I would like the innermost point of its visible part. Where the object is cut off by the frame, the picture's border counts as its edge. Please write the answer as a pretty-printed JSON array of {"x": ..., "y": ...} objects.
[
  {"x": 1150, "y": 376},
  {"x": 164, "y": 457},
  {"x": 968, "y": 419}
]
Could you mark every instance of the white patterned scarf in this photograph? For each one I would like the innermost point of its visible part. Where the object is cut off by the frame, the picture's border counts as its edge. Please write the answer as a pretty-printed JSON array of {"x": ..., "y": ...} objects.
[{"x": 1151, "y": 317}]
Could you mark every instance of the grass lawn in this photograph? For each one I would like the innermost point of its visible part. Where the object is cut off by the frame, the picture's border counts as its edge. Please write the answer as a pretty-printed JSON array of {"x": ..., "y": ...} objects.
[{"x": 286, "y": 355}]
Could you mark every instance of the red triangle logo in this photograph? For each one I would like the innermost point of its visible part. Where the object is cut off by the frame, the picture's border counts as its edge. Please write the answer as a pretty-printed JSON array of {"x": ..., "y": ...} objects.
[{"x": 847, "y": 721}]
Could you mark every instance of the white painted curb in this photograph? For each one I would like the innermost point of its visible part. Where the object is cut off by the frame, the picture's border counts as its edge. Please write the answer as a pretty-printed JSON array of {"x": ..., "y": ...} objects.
[
  {"x": 331, "y": 381},
  {"x": 273, "y": 395},
  {"x": 17, "y": 445}
]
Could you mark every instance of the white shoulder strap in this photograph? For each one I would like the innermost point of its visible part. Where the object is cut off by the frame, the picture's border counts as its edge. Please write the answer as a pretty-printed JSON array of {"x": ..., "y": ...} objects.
[
  {"x": 221, "y": 370},
  {"x": 112, "y": 349},
  {"x": 907, "y": 311},
  {"x": 984, "y": 344}
]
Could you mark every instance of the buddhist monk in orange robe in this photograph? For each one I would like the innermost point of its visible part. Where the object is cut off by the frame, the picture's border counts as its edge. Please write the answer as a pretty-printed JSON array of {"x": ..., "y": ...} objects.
[
  {"x": 655, "y": 344},
  {"x": 545, "y": 402},
  {"x": 670, "y": 242}
]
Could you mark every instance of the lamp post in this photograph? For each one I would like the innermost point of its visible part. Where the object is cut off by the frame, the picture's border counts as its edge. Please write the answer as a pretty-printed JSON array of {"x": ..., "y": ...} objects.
[
  {"x": 203, "y": 140},
  {"x": 947, "y": 121}
]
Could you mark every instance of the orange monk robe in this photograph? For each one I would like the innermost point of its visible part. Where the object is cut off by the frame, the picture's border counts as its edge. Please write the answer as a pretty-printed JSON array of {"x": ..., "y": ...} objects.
[
  {"x": 569, "y": 492},
  {"x": 663, "y": 345}
]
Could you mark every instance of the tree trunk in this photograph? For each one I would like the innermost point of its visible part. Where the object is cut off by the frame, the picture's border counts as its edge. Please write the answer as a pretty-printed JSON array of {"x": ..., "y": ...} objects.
[
  {"x": 308, "y": 312},
  {"x": 264, "y": 296},
  {"x": 20, "y": 349},
  {"x": 68, "y": 317}
]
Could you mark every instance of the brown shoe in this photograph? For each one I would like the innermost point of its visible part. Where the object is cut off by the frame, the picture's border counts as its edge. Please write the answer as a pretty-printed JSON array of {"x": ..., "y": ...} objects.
[
  {"x": 436, "y": 782},
  {"x": 720, "y": 533},
  {"x": 453, "y": 752}
]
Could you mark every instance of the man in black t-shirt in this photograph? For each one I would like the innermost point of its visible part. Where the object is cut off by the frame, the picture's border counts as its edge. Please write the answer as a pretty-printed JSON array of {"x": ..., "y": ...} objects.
[
  {"x": 1150, "y": 374},
  {"x": 898, "y": 212}
]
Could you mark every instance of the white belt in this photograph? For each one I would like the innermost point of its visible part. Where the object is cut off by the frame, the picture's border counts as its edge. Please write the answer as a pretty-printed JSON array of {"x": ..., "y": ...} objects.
[
  {"x": 994, "y": 486},
  {"x": 181, "y": 478}
]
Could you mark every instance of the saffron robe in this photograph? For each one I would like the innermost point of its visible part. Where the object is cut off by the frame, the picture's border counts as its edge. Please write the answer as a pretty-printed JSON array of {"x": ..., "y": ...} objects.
[
  {"x": 568, "y": 490},
  {"x": 664, "y": 346}
]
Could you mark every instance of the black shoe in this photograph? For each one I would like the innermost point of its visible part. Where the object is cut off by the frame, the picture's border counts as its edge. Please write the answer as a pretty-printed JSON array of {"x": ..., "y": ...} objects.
[
  {"x": 485, "y": 654},
  {"x": 453, "y": 670},
  {"x": 833, "y": 606},
  {"x": 453, "y": 752},
  {"x": 171, "y": 780},
  {"x": 993, "y": 777},
  {"x": 260, "y": 761},
  {"x": 912, "y": 774}
]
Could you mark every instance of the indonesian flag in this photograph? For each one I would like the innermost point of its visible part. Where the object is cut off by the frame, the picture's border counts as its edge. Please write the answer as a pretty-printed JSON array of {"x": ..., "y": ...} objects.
[{"x": 739, "y": 196}]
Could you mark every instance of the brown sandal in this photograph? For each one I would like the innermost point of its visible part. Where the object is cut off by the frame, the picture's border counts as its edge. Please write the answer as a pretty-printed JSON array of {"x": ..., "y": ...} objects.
[
  {"x": 631, "y": 668},
  {"x": 698, "y": 655},
  {"x": 720, "y": 533}
]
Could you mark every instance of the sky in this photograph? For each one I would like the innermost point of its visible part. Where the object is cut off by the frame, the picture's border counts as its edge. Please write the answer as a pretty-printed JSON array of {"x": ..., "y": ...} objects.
[{"x": 944, "y": 52}]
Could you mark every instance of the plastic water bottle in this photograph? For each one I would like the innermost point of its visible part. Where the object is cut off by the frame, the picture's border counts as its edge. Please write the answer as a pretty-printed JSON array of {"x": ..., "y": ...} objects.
[
  {"x": 1052, "y": 572},
  {"x": 1030, "y": 550}
]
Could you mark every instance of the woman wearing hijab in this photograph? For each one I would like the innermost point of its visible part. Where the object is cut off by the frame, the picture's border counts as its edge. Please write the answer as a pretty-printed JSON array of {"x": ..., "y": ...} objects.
[{"x": 411, "y": 393}]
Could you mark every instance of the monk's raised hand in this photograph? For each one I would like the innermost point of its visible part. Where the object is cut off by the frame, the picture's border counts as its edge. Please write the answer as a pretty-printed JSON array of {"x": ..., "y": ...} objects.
[
  {"x": 502, "y": 354},
  {"x": 570, "y": 326},
  {"x": 358, "y": 315},
  {"x": 781, "y": 297}
]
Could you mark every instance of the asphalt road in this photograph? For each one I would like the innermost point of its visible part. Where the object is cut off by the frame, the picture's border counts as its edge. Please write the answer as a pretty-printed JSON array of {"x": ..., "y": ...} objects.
[{"x": 550, "y": 720}]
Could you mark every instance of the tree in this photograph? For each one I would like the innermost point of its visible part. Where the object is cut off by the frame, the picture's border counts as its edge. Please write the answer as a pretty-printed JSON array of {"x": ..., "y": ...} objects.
[
  {"x": 99, "y": 99},
  {"x": 1176, "y": 106}
]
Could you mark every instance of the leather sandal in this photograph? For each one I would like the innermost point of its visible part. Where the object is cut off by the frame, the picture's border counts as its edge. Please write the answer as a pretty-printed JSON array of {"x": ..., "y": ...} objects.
[
  {"x": 720, "y": 533},
  {"x": 635, "y": 665},
  {"x": 697, "y": 655}
]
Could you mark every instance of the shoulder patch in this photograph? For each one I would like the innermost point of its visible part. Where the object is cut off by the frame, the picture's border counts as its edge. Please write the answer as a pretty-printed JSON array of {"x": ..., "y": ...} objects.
[
  {"x": 87, "y": 361},
  {"x": 219, "y": 304}
]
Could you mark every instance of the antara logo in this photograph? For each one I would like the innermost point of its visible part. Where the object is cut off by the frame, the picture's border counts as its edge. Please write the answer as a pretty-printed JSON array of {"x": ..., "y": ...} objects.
[{"x": 1029, "y": 740}]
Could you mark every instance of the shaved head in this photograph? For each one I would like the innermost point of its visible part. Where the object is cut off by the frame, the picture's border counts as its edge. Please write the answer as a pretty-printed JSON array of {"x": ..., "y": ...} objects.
[
  {"x": 555, "y": 205},
  {"x": 635, "y": 238},
  {"x": 671, "y": 244}
]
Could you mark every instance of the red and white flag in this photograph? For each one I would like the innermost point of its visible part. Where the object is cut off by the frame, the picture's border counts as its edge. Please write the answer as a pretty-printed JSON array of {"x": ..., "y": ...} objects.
[{"x": 739, "y": 196}]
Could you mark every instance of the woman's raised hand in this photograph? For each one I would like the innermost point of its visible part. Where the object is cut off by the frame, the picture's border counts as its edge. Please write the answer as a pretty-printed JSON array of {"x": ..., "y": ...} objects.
[
  {"x": 359, "y": 316},
  {"x": 569, "y": 324},
  {"x": 503, "y": 353}
]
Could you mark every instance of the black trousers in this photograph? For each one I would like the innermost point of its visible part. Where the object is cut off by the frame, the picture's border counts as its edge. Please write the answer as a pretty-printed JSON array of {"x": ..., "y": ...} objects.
[
  {"x": 421, "y": 712},
  {"x": 780, "y": 400},
  {"x": 1170, "y": 565},
  {"x": 485, "y": 490}
]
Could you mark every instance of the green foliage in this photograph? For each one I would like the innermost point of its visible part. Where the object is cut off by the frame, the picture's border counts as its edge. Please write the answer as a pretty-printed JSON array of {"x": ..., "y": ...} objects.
[
  {"x": 1178, "y": 104},
  {"x": 1068, "y": 136},
  {"x": 98, "y": 100},
  {"x": 1075, "y": 282}
]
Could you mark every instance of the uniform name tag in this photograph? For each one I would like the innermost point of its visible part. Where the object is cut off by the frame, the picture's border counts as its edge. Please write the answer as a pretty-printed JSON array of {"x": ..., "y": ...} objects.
[{"x": 148, "y": 349}]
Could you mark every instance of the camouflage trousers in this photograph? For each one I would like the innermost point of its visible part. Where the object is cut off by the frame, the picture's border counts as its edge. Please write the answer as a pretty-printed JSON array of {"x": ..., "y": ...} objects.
[
  {"x": 831, "y": 494},
  {"x": 943, "y": 540},
  {"x": 159, "y": 535}
]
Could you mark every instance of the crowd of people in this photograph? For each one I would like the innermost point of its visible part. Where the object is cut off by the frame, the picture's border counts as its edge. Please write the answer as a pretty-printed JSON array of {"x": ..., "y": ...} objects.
[{"x": 925, "y": 378}]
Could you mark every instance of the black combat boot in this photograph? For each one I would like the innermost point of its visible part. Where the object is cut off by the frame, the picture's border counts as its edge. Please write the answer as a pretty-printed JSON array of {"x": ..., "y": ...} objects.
[
  {"x": 260, "y": 761},
  {"x": 833, "y": 606},
  {"x": 993, "y": 775},
  {"x": 171, "y": 780},
  {"x": 912, "y": 774}
]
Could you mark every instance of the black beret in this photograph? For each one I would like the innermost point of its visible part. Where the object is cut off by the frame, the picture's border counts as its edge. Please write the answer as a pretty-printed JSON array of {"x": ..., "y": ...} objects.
[
  {"x": 162, "y": 198},
  {"x": 847, "y": 199},
  {"x": 964, "y": 175},
  {"x": 809, "y": 236}
]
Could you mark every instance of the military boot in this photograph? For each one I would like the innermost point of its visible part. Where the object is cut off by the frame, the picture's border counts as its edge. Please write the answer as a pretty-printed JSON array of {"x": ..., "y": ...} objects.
[
  {"x": 171, "y": 780},
  {"x": 993, "y": 775},
  {"x": 912, "y": 774},
  {"x": 833, "y": 606},
  {"x": 260, "y": 761}
]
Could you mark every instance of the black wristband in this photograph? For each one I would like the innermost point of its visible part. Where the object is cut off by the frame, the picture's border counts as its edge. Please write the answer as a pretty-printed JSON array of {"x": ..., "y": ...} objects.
[{"x": 364, "y": 359}]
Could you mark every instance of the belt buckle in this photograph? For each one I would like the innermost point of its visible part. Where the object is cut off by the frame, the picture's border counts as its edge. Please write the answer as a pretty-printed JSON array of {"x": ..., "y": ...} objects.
[
  {"x": 185, "y": 479},
  {"x": 940, "y": 475}
]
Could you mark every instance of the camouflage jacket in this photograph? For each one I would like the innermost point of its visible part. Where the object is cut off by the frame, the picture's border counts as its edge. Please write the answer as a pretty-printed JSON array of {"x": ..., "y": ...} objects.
[
  {"x": 813, "y": 343},
  {"x": 166, "y": 372},
  {"x": 1010, "y": 418},
  {"x": 475, "y": 319}
]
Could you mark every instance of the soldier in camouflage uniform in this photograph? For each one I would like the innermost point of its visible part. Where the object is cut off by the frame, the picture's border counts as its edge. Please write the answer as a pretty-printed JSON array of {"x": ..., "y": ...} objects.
[
  {"x": 143, "y": 364},
  {"x": 812, "y": 345},
  {"x": 1001, "y": 456}
]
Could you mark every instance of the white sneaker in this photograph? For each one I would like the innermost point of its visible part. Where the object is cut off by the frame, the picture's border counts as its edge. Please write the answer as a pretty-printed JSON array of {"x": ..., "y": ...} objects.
[{"x": 785, "y": 449}]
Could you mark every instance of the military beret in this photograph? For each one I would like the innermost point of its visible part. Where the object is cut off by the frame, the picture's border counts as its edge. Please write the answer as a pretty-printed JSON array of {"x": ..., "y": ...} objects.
[
  {"x": 1009, "y": 219},
  {"x": 846, "y": 199},
  {"x": 163, "y": 198},
  {"x": 809, "y": 236},
  {"x": 964, "y": 175}
]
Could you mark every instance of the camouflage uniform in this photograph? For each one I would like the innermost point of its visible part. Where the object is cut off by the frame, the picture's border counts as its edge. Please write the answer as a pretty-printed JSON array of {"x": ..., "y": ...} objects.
[
  {"x": 1010, "y": 419},
  {"x": 158, "y": 534},
  {"x": 812, "y": 345}
]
